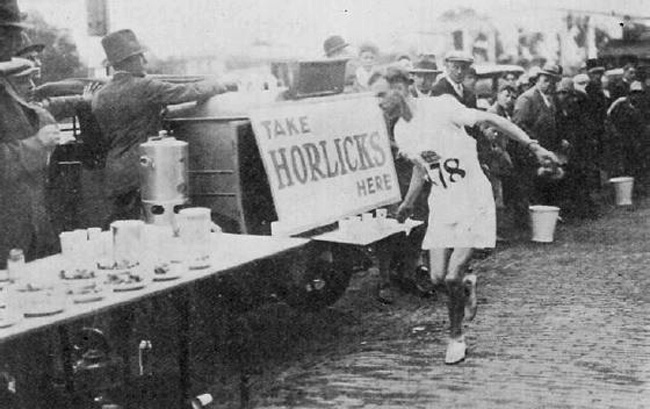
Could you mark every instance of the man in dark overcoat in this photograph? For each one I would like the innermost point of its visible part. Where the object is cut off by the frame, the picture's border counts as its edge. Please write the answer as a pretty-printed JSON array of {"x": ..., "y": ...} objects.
[
  {"x": 128, "y": 109},
  {"x": 28, "y": 136}
]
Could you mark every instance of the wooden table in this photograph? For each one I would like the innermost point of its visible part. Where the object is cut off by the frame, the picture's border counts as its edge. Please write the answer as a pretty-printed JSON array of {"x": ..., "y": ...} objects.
[{"x": 229, "y": 251}]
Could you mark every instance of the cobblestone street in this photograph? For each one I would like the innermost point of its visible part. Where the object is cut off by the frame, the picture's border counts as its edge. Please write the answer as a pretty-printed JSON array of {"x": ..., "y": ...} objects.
[{"x": 560, "y": 325}]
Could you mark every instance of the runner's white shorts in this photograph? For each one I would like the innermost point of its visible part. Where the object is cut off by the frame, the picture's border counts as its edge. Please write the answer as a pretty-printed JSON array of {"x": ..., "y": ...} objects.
[{"x": 477, "y": 230}]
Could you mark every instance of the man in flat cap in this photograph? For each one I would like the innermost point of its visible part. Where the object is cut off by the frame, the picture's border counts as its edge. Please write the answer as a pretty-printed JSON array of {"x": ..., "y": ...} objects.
[
  {"x": 128, "y": 109},
  {"x": 535, "y": 113},
  {"x": 457, "y": 66}
]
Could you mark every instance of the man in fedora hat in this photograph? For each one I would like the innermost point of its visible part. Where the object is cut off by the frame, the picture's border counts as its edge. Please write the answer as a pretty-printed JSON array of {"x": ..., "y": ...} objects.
[
  {"x": 631, "y": 133},
  {"x": 596, "y": 111},
  {"x": 535, "y": 113},
  {"x": 128, "y": 109},
  {"x": 424, "y": 73},
  {"x": 335, "y": 47}
]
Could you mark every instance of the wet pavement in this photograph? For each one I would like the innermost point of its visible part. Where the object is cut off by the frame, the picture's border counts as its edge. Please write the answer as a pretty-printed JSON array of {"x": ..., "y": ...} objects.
[{"x": 561, "y": 325}]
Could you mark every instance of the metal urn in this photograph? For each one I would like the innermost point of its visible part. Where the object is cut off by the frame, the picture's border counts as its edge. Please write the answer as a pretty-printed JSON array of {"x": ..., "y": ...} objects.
[{"x": 163, "y": 178}]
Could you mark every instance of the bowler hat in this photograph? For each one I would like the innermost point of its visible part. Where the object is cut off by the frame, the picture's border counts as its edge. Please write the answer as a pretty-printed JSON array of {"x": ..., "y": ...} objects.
[
  {"x": 396, "y": 73},
  {"x": 121, "y": 45},
  {"x": 459, "y": 56},
  {"x": 27, "y": 46},
  {"x": 551, "y": 70},
  {"x": 425, "y": 66},
  {"x": 333, "y": 44},
  {"x": 10, "y": 14},
  {"x": 594, "y": 65}
]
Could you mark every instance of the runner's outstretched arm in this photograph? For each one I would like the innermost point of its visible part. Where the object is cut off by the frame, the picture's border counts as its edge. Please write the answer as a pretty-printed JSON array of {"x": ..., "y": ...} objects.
[{"x": 517, "y": 134}]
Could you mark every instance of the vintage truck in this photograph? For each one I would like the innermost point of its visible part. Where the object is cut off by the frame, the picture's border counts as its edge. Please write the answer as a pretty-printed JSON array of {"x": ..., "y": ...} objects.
[{"x": 290, "y": 161}]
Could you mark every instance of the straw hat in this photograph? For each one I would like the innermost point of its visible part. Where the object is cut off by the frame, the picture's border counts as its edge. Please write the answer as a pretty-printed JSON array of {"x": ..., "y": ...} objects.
[{"x": 459, "y": 56}]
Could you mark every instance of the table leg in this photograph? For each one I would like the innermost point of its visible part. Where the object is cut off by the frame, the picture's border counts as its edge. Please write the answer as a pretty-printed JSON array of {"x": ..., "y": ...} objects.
[
  {"x": 66, "y": 352},
  {"x": 182, "y": 301}
]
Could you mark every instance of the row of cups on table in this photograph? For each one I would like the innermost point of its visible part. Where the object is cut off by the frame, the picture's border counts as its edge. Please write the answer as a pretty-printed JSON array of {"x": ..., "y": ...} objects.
[
  {"x": 90, "y": 255},
  {"x": 366, "y": 221},
  {"x": 132, "y": 242}
]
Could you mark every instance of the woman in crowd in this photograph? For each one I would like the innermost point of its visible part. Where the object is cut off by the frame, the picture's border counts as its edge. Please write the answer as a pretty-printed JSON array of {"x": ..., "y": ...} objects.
[{"x": 431, "y": 132}]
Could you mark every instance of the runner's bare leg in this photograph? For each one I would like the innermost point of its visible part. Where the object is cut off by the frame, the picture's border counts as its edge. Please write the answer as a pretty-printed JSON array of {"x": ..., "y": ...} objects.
[
  {"x": 438, "y": 264},
  {"x": 456, "y": 305}
]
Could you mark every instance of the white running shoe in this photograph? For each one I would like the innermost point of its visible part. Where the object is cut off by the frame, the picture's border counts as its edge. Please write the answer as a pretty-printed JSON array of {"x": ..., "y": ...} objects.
[{"x": 456, "y": 349}]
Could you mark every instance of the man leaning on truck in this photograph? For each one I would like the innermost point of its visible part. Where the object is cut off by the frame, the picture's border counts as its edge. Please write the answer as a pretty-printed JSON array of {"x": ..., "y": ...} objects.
[{"x": 128, "y": 109}]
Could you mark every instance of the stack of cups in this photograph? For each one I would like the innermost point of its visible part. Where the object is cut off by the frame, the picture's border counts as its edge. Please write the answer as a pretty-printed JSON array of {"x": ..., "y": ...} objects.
[
  {"x": 194, "y": 227},
  {"x": 128, "y": 243}
]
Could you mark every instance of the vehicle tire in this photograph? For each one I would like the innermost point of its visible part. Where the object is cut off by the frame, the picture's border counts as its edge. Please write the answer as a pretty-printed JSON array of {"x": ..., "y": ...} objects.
[{"x": 319, "y": 275}]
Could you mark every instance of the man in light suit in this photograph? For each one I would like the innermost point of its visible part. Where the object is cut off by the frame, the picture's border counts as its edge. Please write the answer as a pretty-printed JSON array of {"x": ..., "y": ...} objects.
[{"x": 535, "y": 113}]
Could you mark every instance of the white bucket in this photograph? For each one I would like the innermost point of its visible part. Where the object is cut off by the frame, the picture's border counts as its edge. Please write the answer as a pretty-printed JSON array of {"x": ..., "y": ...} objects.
[
  {"x": 623, "y": 187},
  {"x": 543, "y": 220}
]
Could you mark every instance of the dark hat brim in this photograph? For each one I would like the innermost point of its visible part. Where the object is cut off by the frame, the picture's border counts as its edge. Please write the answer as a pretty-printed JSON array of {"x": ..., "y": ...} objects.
[
  {"x": 461, "y": 60},
  {"x": 31, "y": 48},
  {"x": 549, "y": 74},
  {"x": 337, "y": 48},
  {"x": 424, "y": 71}
]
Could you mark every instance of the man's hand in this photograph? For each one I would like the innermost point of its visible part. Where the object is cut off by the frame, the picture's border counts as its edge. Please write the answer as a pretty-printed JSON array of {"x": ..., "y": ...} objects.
[
  {"x": 430, "y": 157},
  {"x": 544, "y": 156},
  {"x": 404, "y": 211},
  {"x": 90, "y": 90},
  {"x": 49, "y": 135}
]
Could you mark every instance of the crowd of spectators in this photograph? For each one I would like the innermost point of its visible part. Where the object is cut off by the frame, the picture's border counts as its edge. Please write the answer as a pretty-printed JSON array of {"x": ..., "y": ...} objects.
[{"x": 597, "y": 125}]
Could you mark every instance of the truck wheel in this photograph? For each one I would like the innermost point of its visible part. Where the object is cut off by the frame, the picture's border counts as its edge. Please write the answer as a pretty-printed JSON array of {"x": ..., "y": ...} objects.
[{"x": 320, "y": 274}]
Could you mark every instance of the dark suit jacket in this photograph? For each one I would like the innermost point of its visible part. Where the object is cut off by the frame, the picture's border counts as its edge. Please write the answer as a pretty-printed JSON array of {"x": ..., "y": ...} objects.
[
  {"x": 536, "y": 118},
  {"x": 619, "y": 89},
  {"x": 128, "y": 109},
  {"x": 443, "y": 86}
]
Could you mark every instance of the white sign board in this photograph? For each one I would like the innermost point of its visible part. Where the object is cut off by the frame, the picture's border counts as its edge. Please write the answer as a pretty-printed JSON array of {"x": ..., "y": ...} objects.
[{"x": 325, "y": 159}]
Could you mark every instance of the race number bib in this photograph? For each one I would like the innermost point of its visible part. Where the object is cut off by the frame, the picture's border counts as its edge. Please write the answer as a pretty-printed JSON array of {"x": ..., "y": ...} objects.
[{"x": 446, "y": 173}]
